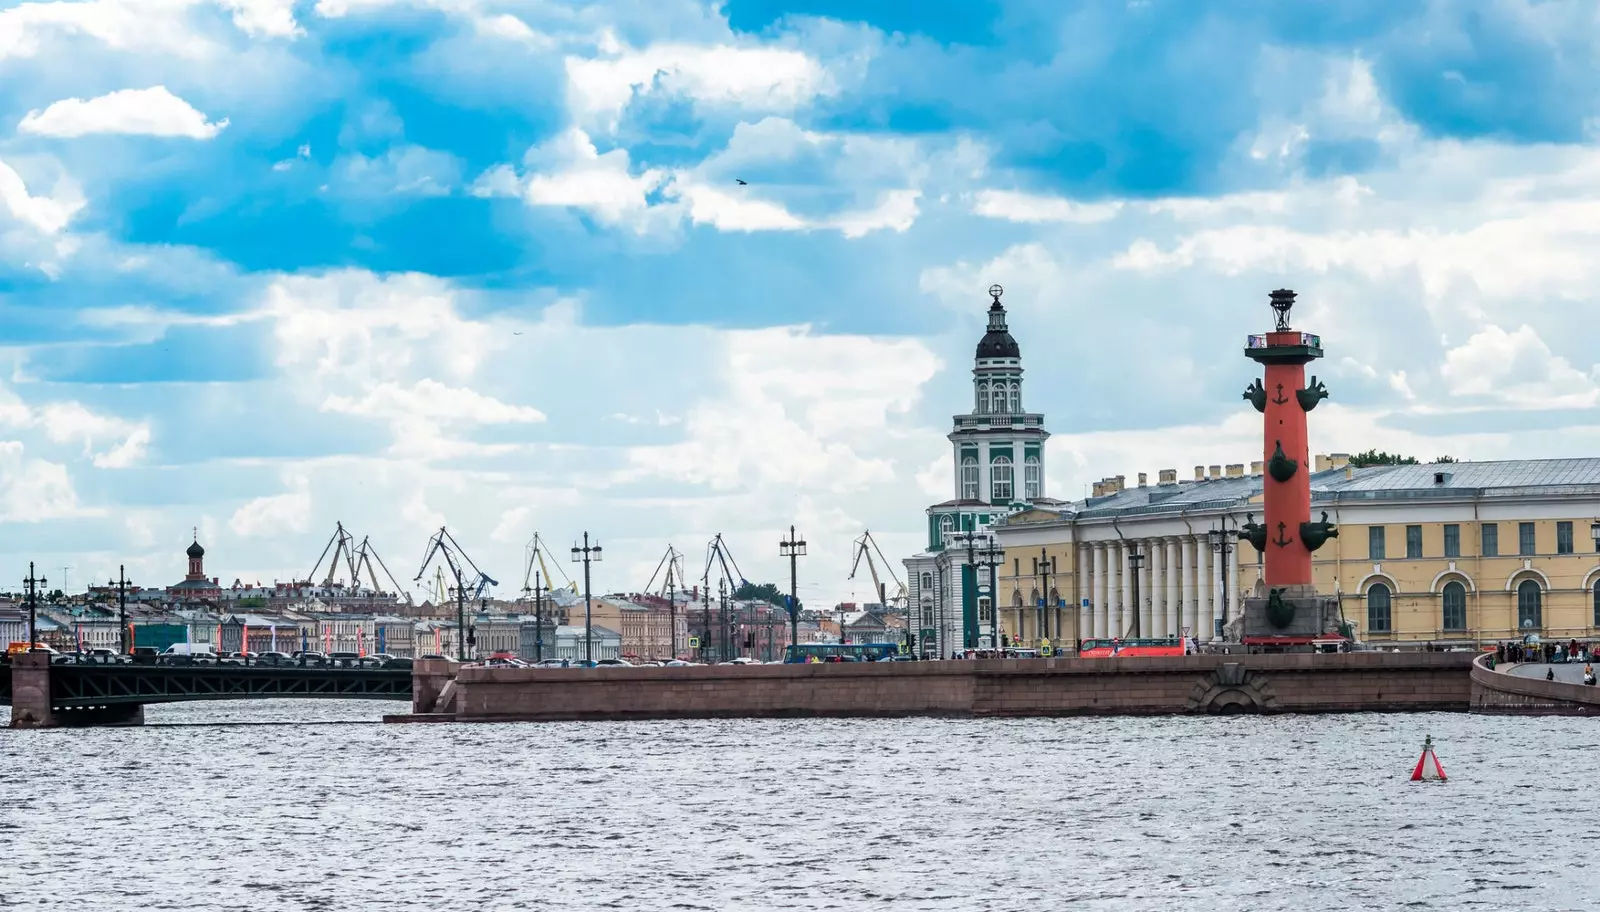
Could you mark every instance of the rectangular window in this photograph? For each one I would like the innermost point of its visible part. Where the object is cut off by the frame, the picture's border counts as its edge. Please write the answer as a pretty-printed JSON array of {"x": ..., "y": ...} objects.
[
  {"x": 1413, "y": 542},
  {"x": 1452, "y": 540},
  {"x": 1375, "y": 543},
  {"x": 1491, "y": 539},
  {"x": 1525, "y": 540},
  {"x": 1563, "y": 538}
]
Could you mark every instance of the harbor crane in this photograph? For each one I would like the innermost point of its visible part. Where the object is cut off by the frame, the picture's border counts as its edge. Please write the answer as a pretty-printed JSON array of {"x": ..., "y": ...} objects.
[
  {"x": 865, "y": 547},
  {"x": 443, "y": 543},
  {"x": 671, "y": 582},
  {"x": 729, "y": 580},
  {"x": 354, "y": 559},
  {"x": 533, "y": 555}
]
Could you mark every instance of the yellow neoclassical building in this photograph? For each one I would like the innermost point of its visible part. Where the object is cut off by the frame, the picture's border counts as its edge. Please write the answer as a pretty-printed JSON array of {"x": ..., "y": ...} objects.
[{"x": 1470, "y": 552}]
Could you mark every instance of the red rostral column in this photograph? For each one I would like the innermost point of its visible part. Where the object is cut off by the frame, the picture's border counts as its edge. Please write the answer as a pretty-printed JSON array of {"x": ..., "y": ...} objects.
[{"x": 1284, "y": 399}]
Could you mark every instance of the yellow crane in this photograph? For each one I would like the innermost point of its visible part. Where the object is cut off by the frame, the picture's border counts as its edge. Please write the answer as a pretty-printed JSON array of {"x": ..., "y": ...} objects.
[{"x": 535, "y": 552}]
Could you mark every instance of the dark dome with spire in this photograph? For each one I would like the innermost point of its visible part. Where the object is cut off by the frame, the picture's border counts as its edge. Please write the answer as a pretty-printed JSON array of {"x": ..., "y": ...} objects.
[
  {"x": 997, "y": 342},
  {"x": 195, "y": 550}
]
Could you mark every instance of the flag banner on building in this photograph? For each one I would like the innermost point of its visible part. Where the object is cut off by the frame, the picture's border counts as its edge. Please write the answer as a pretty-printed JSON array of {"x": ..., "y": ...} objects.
[{"x": 244, "y": 638}]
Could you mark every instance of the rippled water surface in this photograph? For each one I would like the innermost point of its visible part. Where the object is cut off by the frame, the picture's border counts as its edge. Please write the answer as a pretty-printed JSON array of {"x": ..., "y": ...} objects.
[{"x": 1241, "y": 813}]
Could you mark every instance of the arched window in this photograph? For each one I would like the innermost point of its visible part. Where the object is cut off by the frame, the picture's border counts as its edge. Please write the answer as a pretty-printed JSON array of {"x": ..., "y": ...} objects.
[
  {"x": 927, "y": 610},
  {"x": 1055, "y": 597},
  {"x": 927, "y": 581},
  {"x": 1034, "y": 595},
  {"x": 1016, "y": 398},
  {"x": 1000, "y": 480},
  {"x": 1455, "y": 606},
  {"x": 983, "y": 398},
  {"x": 1378, "y": 608},
  {"x": 1016, "y": 598},
  {"x": 998, "y": 400},
  {"x": 969, "y": 478},
  {"x": 947, "y": 524},
  {"x": 1597, "y": 603},
  {"x": 1530, "y": 606},
  {"x": 1030, "y": 477}
]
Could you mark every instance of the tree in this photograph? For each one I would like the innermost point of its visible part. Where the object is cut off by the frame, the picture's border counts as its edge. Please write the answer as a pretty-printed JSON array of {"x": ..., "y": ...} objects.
[
  {"x": 252, "y": 602},
  {"x": 1444, "y": 459},
  {"x": 1379, "y": 457},
  {"x": 765, "y": 592}
]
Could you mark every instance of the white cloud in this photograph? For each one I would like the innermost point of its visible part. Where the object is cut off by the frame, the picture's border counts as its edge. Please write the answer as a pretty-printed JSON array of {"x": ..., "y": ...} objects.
[
  {"x": 47, "y": 214},
  {"x": 430, "y": 401},
  {"x": 404, "y": 170},
  {"x": 1516, "y": 368},
  {"x": 264, "y": 18},
  {"x": 149, "y": 112},
  {"x": 110, "y": 442},
  {"x": 728, "y": 210},
  {"x": 1027, "y": 207},
  {"x": 746, "y": 78},
  {"x": 35, "y": 490},
  {"x": 276, "y": 514}
]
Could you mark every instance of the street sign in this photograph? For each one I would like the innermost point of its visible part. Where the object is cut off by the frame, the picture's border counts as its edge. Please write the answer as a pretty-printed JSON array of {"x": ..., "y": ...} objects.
[{"x": 694, "y": 642}]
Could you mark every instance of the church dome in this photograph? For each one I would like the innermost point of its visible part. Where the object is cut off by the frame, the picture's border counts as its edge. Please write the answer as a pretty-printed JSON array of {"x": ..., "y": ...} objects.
[
  {"x": 196, "y": 551},
  {"x": 997, "y": 342}
]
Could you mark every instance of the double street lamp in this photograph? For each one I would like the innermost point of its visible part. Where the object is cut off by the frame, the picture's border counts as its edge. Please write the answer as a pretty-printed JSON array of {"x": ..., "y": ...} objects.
[
  {"x": 1135, "y": 564},
  {"x": 794, "y": 548},
  {"x": 1223, "y": 543},
  {"x": 990, "y": 556},
  {"x": 586, "y": 555}
]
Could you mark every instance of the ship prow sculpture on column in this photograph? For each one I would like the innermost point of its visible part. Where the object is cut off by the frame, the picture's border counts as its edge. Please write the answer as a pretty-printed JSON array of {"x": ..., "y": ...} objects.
[{"x": 1287, "y": 607}]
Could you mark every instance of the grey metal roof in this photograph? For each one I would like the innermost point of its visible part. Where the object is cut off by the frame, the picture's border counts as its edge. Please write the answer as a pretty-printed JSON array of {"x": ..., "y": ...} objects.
[{"x": 1505, "y": 478}]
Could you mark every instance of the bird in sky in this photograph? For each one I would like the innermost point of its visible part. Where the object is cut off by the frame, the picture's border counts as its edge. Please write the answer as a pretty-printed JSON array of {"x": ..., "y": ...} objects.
[
  {"x": 739, "y": 182},
  {"x": 516, "y": 333}
]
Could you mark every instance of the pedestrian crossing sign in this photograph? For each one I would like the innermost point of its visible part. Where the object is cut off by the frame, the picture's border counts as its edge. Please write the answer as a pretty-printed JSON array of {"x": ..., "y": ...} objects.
[{"x": 694, "y": 642}]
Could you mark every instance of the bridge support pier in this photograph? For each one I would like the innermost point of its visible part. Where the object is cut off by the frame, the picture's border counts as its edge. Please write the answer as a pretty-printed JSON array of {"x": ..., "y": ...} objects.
[{"x": 30, "y": 691}]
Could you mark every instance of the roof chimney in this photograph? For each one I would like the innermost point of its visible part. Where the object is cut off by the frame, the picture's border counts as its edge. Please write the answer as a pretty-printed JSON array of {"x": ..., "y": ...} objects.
[
  {"x": 1322, "y": 463},
  {"x": 1255, "y": 467},
  {"x": 1098, "y": 490},
  {"x": 1339, "y": 460},
  {"x": 1143, "y": 479},
  {"x": 1236, "y": 470},
  {"x": 1199, "y": 473},
  {"x": 1121, "y": 481},
  {"x": 1215, "y": 471},
  {"x": 1167, "y": 476}
]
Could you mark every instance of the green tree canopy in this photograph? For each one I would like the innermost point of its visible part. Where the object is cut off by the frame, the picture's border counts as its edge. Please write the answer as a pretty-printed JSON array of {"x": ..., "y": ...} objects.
[
  {"x": 763, "y": 592},
  {"x": 1379, "y": 457}
]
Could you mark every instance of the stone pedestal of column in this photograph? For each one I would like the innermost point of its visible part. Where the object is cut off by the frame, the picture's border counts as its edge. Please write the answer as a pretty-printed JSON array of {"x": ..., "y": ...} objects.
[{"x": 30, "y": 691}]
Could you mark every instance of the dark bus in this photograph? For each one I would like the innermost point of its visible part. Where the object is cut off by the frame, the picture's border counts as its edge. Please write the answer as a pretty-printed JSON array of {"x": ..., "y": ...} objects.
[{"x": 838, "y": 652}]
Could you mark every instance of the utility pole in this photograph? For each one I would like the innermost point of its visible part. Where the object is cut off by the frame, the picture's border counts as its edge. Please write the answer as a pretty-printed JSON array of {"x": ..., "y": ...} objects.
[
  {"x": 538, "y": 617},
  {"x": 1046, "y": 569},
  {"x": 33, "y": 606},
  {"x": 990, "y": 557},
  {"x": 705, "y": 622},
  {"x": 587, "y": 554},
  {"x": 122, "y": 607},
  {"x": 793, "y": 548},
  {"x": 1135, "y": 563},
  {"x": 722, "y": 608},
  {"x": 672, "y": 617}
]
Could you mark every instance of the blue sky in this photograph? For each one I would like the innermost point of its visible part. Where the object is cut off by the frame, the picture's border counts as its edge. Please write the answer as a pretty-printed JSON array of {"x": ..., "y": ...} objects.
[{"x": 269, "y": 264}]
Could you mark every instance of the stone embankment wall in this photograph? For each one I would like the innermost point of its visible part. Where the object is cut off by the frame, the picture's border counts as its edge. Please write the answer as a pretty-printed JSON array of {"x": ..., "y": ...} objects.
[
  {"x": 1002, "y": 687},
  {"x": 1506, "y": 694}
]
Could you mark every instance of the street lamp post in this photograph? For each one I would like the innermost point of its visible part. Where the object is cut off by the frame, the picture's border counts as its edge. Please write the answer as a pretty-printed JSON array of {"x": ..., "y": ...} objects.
[
  {"x": 793, "y": 548},
  {"x": 1135, "y": 562},
  {"x": 990, "y": 556},
  {"x": 1047, "y": 569},
  {"x": 587, "y": 554},
  {"x": 122, "y": 607},
  {"x": 538, "y": 617},
  {"x": 970, "y": 540},
  {"x": 33, "y": 583},
  {"x": 1222, "y": 544}
]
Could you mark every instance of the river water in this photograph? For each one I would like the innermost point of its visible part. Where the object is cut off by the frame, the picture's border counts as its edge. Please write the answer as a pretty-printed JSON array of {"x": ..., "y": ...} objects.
[{"x": 198, "y": 812}]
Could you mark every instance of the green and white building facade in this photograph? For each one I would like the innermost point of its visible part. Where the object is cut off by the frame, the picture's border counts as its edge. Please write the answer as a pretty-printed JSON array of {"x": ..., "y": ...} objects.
[{"x": 998, "y": 468}]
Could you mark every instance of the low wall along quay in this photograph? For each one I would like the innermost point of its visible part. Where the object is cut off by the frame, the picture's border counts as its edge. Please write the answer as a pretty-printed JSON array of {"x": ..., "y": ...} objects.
[{"x": 1224, "y": 684}]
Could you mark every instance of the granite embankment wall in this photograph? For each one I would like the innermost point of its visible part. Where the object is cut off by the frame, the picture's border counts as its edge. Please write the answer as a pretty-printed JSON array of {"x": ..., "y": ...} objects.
[
  {"x": 1501, "y": 693},
  {"x": 1004, "y": 687}
]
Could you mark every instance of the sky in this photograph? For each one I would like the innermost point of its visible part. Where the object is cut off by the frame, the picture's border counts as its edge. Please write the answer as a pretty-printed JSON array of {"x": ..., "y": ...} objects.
[{"x": 269, "y": 265}]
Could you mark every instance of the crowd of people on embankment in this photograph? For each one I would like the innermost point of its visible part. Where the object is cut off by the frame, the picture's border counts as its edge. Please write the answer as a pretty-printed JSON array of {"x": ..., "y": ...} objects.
[{"x": 1549, "y": 654}]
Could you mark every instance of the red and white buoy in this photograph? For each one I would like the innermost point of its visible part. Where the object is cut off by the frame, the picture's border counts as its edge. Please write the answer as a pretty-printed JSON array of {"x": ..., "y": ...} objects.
[{"x": 1428, "y": 768}]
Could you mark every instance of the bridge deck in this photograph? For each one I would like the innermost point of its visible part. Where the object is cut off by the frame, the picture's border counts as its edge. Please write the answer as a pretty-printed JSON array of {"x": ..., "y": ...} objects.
[{"x": 103, "y": 685}]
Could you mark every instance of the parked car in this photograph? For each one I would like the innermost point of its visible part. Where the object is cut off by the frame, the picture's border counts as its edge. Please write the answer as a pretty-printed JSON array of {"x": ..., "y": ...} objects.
[
  {"x": 434, "y": 655},
  {"x": 239, "y": 659},
  {"x": 144, "y": 655},
  {"x": 344, "y": 659},
  {"x": 396, "y": 662},
  {"x": 310, "y": 659},
  {"x": 274, "y": 659},
  {"x": 613, "y": 663},
  {"x": 369, "y": 662}
]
